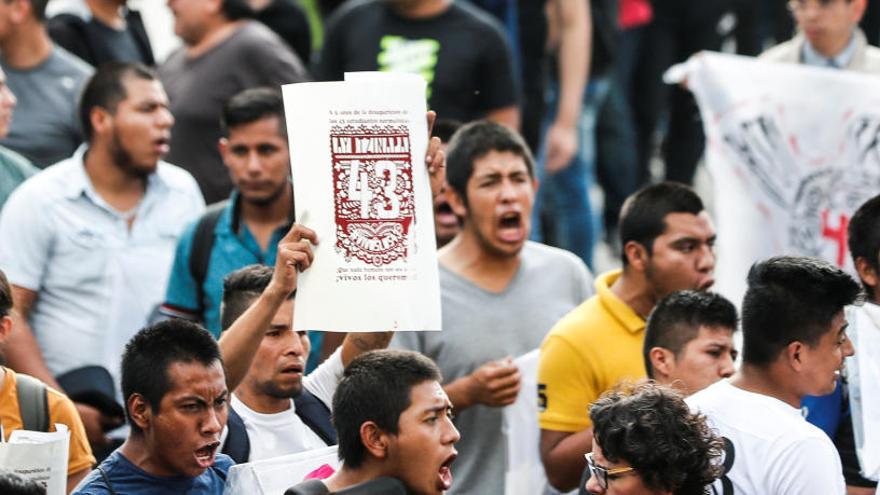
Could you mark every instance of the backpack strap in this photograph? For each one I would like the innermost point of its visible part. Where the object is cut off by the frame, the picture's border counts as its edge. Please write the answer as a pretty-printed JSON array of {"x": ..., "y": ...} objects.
[
  {"x": 238, "y": 445},
  {"x": 33, "y": 402},
  {"x": 316, "y": 415},
  {"x": 203, "y": 243},
  {"x": 106, "y": 480}
]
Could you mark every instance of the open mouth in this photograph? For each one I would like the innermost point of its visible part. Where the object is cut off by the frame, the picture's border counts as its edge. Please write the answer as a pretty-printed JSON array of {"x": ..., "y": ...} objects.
[
  {"x": 510, "y": 227},
  {"x": 294, "y": 369},
  {"x": 162, "y": 145},
  {"x": 205, "y": 455},
  {"x": 444, "y": 474},
  {"x": 444, "y": 215}
]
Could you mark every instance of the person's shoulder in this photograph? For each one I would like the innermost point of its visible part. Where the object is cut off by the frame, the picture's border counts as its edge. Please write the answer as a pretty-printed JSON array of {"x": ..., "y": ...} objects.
[
  {"x": 177, "y": 178},
  {"x": 13, "y": 160},
  {"x": 223, "y": 463},
  {"x": 545, "y": 256},
  {"x": 582, "y": 324},
  {"x": 48, "y": 185},
  {"x": 471, "y": 17},
  {"x": 70, "y": 64},
  {"x": 95, "y": 483},
  {"x": 787, "y": 51},
  {"x": 352, "y": 9}
]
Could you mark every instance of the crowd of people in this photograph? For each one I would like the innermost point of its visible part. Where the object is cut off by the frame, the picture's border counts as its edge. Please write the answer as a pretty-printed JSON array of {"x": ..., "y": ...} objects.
[{"x": 148, "y": 305}]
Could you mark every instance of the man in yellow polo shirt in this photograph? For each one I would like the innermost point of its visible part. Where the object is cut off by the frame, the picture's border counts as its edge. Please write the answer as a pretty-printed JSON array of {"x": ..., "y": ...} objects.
[{"x": 668, "y": 241}]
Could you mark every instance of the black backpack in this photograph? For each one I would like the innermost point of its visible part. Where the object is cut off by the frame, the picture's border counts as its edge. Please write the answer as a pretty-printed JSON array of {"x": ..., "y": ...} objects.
[{"x": 203, "y": 243}]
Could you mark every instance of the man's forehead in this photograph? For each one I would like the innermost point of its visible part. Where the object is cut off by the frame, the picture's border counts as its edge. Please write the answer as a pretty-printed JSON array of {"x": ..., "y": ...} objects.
[
  {"x": 267, "y": 128},
  {"x": 684, "y": 223},
  {"x": 186, "y": 377},
  {"x": 495, "y": 162}
]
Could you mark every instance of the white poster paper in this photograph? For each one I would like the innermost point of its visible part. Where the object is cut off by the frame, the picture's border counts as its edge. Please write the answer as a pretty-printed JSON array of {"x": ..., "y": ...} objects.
[
  {"x": 793, "y": 151},
  {"x": 39, "y": 456},
  {"x": 274, "y": 476},
  {"x": 357, "y": 154}
]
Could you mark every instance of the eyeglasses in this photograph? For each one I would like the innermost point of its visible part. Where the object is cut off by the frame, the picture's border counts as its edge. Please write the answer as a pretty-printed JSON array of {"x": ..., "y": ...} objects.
[{"x": 603, "y": 474}]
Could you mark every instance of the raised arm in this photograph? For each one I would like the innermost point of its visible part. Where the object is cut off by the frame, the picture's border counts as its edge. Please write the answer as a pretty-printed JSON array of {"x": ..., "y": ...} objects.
[{"x": 240, "y": 341}]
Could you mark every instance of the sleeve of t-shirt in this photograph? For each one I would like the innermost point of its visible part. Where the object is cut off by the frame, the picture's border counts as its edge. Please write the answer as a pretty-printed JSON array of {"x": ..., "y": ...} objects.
[
  {"x": 323, "y": 381},
  {"x": 79, "y": 454},
  {"x": 26, "y": 238},
  {"x": 565, "y": 390},
  {"x": 583, "y": 281},
  {"x": 182, "y": 293},
  {"x": 810, "y": 465},
  {"x": 497, "y": 82}
]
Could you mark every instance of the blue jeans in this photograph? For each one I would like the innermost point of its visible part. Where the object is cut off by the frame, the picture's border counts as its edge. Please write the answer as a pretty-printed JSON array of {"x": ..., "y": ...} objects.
[{"x": 563, "y": 199}]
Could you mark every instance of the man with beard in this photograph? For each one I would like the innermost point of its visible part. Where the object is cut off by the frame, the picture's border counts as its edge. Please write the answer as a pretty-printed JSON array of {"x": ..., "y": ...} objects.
[
  {"x": 88, "y": 243},
  {"x": 667, "y": 240},
  {"x": 501, "y": 293}
]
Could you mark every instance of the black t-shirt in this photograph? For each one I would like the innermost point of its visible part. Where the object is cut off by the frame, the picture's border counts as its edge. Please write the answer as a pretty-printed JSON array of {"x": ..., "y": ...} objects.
[
  {"x": 289, "y": 21},
  {"x": 462, "y": 53},
  {"x": 97, "y": 43}
]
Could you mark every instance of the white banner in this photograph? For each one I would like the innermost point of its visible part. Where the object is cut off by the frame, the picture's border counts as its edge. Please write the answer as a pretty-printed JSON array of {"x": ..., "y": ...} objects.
[
  {"x": 359, "y": 177},
  {"x": 274, "y": 476},
  {"x": 793, "y": 151},
  {"x": 38, "y": 456}
]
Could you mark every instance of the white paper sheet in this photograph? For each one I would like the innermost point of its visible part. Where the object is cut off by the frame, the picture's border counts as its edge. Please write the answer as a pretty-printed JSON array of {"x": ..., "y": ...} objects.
[
  {"x": 38, "y": 456},
  {"x": 357, "y": 154},
  {"x": 274, "y": 476}
]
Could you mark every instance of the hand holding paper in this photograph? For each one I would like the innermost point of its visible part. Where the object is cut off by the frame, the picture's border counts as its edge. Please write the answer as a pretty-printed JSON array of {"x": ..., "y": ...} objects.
[{"x": 294, "y": 255}]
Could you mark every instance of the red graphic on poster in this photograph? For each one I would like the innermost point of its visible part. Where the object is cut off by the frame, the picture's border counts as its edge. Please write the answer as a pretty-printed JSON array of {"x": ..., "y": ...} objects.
[{"x": 373, "y": 191}]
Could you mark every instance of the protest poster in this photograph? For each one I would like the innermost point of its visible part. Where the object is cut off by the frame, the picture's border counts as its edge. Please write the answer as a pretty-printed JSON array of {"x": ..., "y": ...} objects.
[
  {"x": 275, "y": 475},
  {"x": 792, "y": 151},
  {"x": 38, "y": 456},
  {"x": 357, "y": 157}
]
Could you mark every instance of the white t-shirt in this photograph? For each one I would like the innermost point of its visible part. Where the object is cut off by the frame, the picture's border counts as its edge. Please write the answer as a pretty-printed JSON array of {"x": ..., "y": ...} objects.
[
  {"x": 273, "y": 435},
  {"x": 775, "y": 451}
]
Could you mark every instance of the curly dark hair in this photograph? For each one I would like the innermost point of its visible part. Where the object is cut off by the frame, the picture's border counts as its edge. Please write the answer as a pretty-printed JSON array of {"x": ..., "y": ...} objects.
[{"x": 650, "y": 427}]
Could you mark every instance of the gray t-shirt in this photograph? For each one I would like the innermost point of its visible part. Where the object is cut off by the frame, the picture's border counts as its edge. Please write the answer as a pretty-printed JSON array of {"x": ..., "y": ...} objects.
[
  {"x": 252, "y": 56},
  {"x": 45, "y": 125},
  {"x": 481, "y": 326}
]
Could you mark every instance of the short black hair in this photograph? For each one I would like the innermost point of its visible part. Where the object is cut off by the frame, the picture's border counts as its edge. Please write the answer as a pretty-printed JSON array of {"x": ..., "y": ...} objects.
[
  {"x": 376, "y": 387},
  {"x": 241, "y": 288},
  {"x": 650, "y": 427},
  {"x": 15, "y": 484},
  {"x": 234, "y": 10},
  {"x": 864, "y": 235},
  {"x": 474, "y": 141},
  {"x": 788, "y": 299},
  {"x": 677, "y": 318},
  {"x": 643, "y": 215},
  {"x": 252, "y": 105},
  {"x": 5, "y": 296},
  {"x": 153, "y": 350},
  {"x": 106, "y": 88}
]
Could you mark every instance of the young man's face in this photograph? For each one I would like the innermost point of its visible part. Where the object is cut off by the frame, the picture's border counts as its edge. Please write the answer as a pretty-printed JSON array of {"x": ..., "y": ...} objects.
[
  {"x": 500, "y": 195},
  {"x": 822, "y": 364},
  {"x": 683, "y": 256},
  {"x": 709, "y": 357},
  {"x": 278, "y": 366},
  {"x": 184, "y": 434},
  {"x": 827, "y": 24},
  {"x": 423, "y": 449},
  {"x": 258, "y": 160},
  {"x": 141, "y": 127}
]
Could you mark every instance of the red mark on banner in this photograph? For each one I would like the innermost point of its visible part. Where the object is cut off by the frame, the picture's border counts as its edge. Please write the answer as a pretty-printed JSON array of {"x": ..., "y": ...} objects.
[
  {"x": 373, "y": 191},
  {"x": 838, "y": 234}
]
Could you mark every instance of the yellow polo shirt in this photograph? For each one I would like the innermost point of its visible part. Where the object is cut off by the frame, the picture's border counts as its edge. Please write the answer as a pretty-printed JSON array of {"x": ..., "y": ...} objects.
[{"x": 590, "y": 350}]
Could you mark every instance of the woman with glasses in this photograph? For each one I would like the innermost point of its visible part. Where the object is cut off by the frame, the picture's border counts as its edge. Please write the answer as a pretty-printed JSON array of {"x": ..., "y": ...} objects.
[{"x": 647, "y": 442}]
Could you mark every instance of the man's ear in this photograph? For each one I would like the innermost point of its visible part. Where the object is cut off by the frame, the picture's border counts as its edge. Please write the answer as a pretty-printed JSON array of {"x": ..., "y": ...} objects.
[
  {"x": 20, "y": 11},
  {"x": 866, "y": 272},
  {"x": 456, "y": 202},
  {"x": 637, "y": 255},
  {"x": 223, "y": 146},
  {"x": 5, "y": 327},
  {"x": 794, "y": 355},
  {"x": 375, "y": 440},
  {"x": 101, "y": 120},
  {"x": 140, "y": 411},
  {"x": 662, "y": 362}
]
